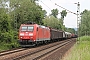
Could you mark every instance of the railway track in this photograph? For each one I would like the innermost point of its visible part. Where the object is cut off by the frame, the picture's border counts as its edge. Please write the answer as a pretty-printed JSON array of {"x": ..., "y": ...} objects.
[
  {"x": 35, "y": 53},
  {"x": 39, "y": 54},
  {"x": 11, "y": 51}
]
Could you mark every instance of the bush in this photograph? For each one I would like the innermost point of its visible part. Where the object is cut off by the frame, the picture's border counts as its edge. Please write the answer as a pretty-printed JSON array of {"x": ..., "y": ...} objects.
[
  {"x": 6, "y": 37},
  {"x": 85, "y": 38},
  {"x": 9, "y": 40}
]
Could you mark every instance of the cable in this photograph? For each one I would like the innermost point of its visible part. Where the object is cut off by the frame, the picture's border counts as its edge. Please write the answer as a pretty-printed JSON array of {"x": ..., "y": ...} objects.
[
  {"x": 45, "y": 5},
  {"x": 64, "y": 8}
]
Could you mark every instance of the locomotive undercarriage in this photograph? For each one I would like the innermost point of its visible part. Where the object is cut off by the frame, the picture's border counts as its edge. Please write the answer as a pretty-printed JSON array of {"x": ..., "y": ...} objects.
[{"x": 24, "y": 43}]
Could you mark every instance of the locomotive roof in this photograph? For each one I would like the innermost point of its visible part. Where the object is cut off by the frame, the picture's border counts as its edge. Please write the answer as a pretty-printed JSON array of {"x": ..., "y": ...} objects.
[
  {"x": 67, "y": 33},
  {"x": 27, "y": 24},
  {"x": 41, "y": 26}
]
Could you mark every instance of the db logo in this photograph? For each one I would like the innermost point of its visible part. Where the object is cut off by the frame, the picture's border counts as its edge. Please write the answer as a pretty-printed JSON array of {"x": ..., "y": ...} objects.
[{"x": 26, "y": 34}]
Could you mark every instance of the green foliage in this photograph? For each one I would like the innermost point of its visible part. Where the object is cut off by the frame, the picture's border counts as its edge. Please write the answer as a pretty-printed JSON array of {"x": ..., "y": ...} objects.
[
  {"x": 4, "y": 23},
  {"x": 54, "y": 12},
  {"x": 85, "y": 38},
  {"x": 85, "y": 11},
  {"x": 9, "y": 40},
  {"x": 70, "y": 30},
  {"x": 63, "y": 14},
  {"x": 26, "y": 10},
  {"x": 52, "y": 22},
  {"x": 60, "y": 22},
  {"x": 85, "y": 23}
]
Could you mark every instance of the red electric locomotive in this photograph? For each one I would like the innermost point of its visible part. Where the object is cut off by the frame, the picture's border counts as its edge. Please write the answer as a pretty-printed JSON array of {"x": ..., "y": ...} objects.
[{"x": 32, "y": 34}]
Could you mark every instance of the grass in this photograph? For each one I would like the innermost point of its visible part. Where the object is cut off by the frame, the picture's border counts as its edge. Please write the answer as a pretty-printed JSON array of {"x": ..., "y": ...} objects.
[{"x": 80, "y": 51}]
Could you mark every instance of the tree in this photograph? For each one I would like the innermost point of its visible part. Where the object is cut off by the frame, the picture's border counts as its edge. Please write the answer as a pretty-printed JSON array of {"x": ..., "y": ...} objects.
[
  {"x": 6, "y": 33},
  {"x": 26, "y": 10},
  {"x": 63, "y": 14},
  {"x": 54, "y": 12},
  {"x": 52, "y": 22},
  {"x": 71, "y": 30},
  {"x": 85, "y": 11},
  {"x": 85, "y": 23},
  {"x": 4, "y": 17},
  {"x": 5, "y": 23}
]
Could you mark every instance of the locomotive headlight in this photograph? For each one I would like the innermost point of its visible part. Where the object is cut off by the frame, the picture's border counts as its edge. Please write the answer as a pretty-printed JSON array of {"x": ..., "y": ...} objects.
[
  {"x": 30, "y": 34},
  {"x": 21, "y": 37},
  {"x": 21, "y": 34}
]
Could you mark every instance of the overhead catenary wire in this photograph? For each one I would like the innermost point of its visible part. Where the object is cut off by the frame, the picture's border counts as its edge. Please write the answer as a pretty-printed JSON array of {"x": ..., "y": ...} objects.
[
  {"x": 64, "y": 8},
  {"x": 60, "y": 7},
  {"x": 45, "y": 5}
]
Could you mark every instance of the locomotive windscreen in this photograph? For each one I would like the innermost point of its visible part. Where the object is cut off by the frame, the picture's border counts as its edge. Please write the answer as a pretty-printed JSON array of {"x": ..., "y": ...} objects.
[{"x": 27, "y": 28}]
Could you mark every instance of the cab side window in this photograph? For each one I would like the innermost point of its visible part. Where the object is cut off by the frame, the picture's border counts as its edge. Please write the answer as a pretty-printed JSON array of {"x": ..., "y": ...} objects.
[{"x": 37, "y": 29}]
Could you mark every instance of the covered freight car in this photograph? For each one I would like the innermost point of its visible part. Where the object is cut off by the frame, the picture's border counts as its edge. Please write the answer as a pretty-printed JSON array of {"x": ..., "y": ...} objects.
[
  {"x": 68, "y": 34},
  {"x": 56, "y": 34}
]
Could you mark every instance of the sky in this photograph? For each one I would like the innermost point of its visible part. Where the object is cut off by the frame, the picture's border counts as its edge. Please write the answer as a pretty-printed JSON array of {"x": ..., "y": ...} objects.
[{"x": 70, "y": 20}]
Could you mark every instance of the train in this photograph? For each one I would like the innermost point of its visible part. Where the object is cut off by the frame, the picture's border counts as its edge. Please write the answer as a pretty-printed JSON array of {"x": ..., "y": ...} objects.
[{"x": 34, "y": 34}]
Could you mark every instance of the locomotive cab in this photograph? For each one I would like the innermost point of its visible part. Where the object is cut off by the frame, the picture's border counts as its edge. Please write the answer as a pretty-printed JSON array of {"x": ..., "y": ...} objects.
[{"x": 27, "y": 34}]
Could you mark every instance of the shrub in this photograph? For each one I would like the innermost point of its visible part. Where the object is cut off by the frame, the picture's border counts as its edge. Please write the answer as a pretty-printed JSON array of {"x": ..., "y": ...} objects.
[
  {"x": 85, "y": 38},
  {"x": 9, "y": 40}
]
